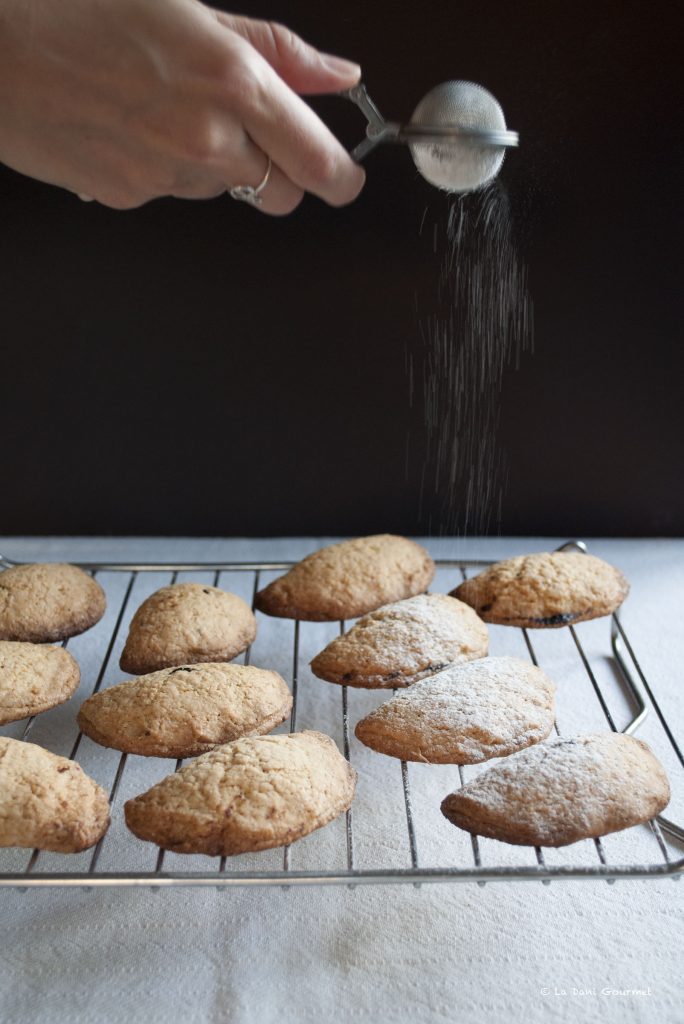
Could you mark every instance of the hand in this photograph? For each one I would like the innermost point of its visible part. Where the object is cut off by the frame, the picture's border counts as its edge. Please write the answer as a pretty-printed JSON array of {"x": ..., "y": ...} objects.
[{"x": 127, "y": 100}]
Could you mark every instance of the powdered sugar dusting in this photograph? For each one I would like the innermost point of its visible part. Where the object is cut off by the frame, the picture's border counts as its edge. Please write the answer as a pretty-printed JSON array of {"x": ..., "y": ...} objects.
[
  {"x": 428, "y": 629},
  {"x": 563, "y": 791},
  {"x": 404, "y": 641},
  {"x": 465, "y": 714}
]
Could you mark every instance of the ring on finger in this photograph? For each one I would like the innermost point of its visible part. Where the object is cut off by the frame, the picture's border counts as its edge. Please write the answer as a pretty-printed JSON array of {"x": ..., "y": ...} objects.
[{"x": 249, "y": 193}]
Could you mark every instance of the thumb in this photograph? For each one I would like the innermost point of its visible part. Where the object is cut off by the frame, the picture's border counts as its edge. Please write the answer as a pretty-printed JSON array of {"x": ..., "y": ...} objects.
[{"x": 301, "y": 66}]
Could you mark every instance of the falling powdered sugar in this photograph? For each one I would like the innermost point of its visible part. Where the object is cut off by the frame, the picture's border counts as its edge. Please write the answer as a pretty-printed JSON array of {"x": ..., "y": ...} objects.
[{"x": 478, "y": 323}]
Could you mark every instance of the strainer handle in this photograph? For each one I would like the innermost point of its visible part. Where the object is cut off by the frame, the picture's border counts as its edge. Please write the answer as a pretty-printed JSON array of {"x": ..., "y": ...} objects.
[{"x": 377, "y": 130}]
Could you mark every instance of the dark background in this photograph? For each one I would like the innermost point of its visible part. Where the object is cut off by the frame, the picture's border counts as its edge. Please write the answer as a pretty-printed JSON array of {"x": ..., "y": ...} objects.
[{"x": 196, "y": 368}]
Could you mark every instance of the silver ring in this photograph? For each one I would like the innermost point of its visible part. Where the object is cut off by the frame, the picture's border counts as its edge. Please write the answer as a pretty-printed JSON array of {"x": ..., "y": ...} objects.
[{"x": 249, "y": 193}]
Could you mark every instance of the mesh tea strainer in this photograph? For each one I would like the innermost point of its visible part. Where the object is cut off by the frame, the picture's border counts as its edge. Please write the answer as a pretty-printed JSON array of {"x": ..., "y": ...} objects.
[{"x": 457, "y": 134}]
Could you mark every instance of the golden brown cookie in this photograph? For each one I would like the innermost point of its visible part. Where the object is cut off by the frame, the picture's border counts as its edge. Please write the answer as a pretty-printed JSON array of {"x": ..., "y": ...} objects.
[
  {"x": 545, "y": 590},
  {"x": 465, "y": 714},
  {"x": 48, "y": 601},
  {"x": 34, "y": 678},
  {"x": 349, "y": 579},
  {"x": 562, "y": 791},
  {"x": 401, "y": 643},
  {"x": 187, "y": 623},
  {"x": 47, "y": 801},
  {"x": 183, "y": 712},
  {"x": 249, "y": 795}
]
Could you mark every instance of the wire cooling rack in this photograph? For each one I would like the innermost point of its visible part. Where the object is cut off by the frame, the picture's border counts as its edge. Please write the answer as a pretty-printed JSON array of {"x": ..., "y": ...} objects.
[{"x": 605, "y": 684}]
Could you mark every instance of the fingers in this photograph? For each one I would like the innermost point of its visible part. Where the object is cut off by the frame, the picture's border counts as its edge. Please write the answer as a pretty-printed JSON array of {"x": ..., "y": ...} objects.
[
  {"x": 283, "y": 126},
  {"x": 244, "y": 164},
  {"x": 248, "y": 166},
  {"x": 274, "y": 65},
  {"x": 301, "y": 66}
]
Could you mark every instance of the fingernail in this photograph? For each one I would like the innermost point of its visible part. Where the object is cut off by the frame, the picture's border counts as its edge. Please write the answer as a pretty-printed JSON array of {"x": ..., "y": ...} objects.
[{"x": 341, "y": 66}]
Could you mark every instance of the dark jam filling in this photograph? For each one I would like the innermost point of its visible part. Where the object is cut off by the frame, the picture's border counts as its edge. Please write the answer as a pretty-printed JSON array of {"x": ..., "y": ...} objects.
[{"x": 563, "y": 619}]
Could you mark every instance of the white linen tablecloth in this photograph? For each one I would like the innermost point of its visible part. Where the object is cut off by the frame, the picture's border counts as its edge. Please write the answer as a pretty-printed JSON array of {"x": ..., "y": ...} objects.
[{"x": 514, "y": 952}]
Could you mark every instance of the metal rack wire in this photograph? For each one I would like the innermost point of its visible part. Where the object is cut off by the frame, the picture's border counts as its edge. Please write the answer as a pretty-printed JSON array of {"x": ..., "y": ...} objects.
[{"x": 668, "y": 863}]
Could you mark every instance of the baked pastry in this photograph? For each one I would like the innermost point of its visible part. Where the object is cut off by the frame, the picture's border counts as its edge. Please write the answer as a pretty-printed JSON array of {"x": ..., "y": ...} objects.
[
  {"x": 545, "y": 590},
  {"x": 253, "y": 794},
  {"x": 48, "y": 601},
  {"x": 47, "y": 801},
  {"x": 465, "y": 714},
  {"x": 349, "y": 579},
  {"x": 186, "y": 623},
  {"x": 401, "y": 643},
  {"x": 34, "y": 678},
  {"x": 182, "y": 712},
  {"x": 562, "y": 791}
]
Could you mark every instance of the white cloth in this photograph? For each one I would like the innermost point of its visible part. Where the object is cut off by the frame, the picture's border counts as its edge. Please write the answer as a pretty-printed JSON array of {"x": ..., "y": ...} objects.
[{"x": 455, "y": 952}]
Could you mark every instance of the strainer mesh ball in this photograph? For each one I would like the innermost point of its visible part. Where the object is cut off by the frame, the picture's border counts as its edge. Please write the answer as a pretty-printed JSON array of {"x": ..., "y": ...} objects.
[{"x": 463, "y": 165}]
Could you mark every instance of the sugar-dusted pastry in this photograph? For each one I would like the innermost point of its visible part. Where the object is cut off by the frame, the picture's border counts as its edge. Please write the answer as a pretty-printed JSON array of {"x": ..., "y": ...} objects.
[
  {"x": 349, "y": 579},
  {"x": 550, "y": 589},
  {"x": 248, "y": 795},
  {"x": 48, "y": 601},
  {"x": 465, "y": 714},
  {"x": 186, "y": 623},
  {"x": 47, "y": 801},
  {"x": 403, "y": 642},
  {"x": 182, "y": 712},
  {"x": 34, "y": 678},
  {"x": 562, "y": 791}
]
